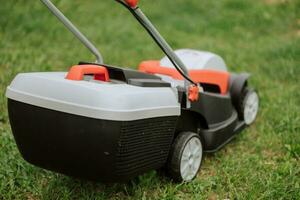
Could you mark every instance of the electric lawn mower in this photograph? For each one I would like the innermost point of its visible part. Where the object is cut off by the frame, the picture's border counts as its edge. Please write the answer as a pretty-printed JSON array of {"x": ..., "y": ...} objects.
[{"x": 101, "y": 122}]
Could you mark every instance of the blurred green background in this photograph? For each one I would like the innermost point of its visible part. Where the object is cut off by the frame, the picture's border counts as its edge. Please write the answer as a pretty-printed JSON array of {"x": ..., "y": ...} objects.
[{"x": 258, "y": 36}]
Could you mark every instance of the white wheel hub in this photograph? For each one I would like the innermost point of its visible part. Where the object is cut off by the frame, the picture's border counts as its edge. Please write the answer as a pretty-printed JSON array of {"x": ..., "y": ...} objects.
[
  {"x": 251, "y": 104},
  {"x": 191, "y": 159}
]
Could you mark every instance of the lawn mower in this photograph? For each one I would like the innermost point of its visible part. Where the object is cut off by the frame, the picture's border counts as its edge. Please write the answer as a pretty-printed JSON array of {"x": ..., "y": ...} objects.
[{"x": 106, "y": 123}]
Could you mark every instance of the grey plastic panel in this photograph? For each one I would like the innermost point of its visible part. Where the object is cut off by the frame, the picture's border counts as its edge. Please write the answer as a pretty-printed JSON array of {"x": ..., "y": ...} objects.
[
  {"x": 194, "y": 59},
  {"x": 100, "y": 100}
]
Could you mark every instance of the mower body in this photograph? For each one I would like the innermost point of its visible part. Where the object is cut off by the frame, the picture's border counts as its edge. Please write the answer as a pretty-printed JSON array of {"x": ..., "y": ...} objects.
[
  {"x": 113, "y": 130},
  {"x": 100, "y": 122}
]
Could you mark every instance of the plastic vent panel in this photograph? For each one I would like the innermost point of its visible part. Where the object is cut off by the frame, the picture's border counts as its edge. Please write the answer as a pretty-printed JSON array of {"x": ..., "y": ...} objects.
[{"x": 144, "y": 145}]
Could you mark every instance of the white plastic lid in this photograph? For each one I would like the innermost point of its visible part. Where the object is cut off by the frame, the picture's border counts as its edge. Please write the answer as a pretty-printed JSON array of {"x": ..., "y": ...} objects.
[{"x": 100, "y": 100}]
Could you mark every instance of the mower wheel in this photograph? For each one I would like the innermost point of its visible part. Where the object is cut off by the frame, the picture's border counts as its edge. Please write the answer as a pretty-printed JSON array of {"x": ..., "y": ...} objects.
[
  {"x": 249, "y": 106},
  {"x": 185, "y": 157}
]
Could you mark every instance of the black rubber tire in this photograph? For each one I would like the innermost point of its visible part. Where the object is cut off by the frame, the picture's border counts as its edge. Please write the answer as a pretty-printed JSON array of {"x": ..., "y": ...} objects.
[
  {"x": 241, "y": 106},
  {"x": 173, "y": 164}
]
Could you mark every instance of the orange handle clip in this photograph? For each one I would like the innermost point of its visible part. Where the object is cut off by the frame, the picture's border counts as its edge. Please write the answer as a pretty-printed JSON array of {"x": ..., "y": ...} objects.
[
  {"x": 77, "y": 72},
  {"x": 193, "y": 93},
  {"x": 132, "y": 3}
]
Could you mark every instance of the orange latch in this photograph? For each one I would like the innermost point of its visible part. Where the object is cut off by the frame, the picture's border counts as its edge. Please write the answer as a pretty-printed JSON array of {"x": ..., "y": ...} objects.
[{"x": 193, "y": 93}]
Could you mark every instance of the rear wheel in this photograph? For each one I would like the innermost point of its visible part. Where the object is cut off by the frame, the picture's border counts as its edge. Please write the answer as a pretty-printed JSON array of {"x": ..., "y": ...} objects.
[
  {"x": 249, "y": 106},
  {"x": 185, "y": 157}
]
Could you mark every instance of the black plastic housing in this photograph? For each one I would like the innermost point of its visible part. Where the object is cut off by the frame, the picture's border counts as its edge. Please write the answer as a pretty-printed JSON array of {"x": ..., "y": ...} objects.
[
  {"x": 117, "y": 151},
  {"x": 213, "y": 117},
  {"x": 93, "y": 149}
]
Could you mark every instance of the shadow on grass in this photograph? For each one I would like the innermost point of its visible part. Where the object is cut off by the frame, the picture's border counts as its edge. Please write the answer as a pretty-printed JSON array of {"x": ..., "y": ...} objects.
[{"x": 63, "y": 187}]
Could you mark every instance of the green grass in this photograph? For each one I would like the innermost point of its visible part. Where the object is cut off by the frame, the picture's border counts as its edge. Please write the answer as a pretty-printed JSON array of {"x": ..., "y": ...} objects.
[{"x": 258, "y": 36}]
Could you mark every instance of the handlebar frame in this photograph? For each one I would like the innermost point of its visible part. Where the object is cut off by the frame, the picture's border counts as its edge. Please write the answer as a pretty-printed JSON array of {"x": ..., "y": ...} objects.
[{"x": 132, "y": 6}]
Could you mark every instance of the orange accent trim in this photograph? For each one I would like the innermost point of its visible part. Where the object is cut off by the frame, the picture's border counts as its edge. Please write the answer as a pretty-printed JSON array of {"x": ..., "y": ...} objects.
[
  {"x": 214, "y": 77},
  {"x": 153, "y": 67},
  {"x": 193, "y": 93},
  {"x": 132, "y": 3},
  {"x": 77, "y": 72}
]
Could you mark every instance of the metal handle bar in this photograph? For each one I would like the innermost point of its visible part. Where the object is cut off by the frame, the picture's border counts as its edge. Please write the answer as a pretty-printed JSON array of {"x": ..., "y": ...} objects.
[
  {"x": 150, "y": 28},
  {"x": 69, "y": 25}
]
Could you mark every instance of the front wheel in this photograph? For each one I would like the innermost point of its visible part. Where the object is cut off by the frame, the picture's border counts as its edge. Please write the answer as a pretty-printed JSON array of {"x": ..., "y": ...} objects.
[{"x": 185, "y": 157}]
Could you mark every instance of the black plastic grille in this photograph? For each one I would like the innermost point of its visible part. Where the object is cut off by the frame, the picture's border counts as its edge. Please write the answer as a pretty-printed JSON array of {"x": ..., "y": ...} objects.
[{"x": 144, "y": 144}]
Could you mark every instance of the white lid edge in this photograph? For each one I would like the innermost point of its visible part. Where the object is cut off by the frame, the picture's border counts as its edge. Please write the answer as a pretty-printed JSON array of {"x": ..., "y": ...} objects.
[{"x": 91, "y": 112}]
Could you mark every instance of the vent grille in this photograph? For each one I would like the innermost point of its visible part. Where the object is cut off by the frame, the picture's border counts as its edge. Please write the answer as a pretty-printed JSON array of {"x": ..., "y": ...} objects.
[{"x": 144, "y": 144}]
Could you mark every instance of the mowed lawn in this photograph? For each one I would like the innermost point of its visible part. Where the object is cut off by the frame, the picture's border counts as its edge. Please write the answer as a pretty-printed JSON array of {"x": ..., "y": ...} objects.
[{"x": 257, "y": 36}]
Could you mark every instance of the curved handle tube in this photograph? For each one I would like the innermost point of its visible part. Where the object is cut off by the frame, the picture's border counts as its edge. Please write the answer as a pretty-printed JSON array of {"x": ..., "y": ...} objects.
[{"x": 69, "y": 25}]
